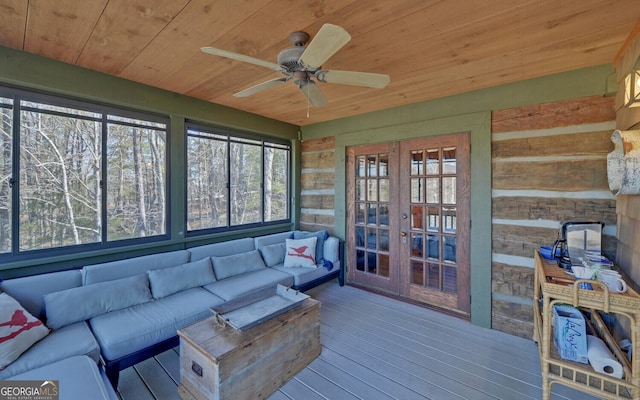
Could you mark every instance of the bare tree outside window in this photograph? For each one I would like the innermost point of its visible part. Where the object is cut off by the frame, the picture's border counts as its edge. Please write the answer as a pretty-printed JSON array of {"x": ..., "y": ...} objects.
[
  {"x": 6, "y": 142},
  {"x": 58, "y": 180},
  {"x": 234, "y": 181},
  {"x": 136, "y": 181},
  {"x": 61, "y": 191}
]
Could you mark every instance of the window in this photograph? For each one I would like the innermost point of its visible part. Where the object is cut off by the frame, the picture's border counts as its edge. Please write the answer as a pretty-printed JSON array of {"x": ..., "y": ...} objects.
[
  {"x": 83, "y": 175},
  {"x": 235, "y": 180}
]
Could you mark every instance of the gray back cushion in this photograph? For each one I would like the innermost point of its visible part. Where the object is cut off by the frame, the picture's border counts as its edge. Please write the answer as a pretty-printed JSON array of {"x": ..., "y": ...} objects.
[
  {"x": 237, "y": 264},
  {"x": 28, "y": 291},
  {"x": 81, "y": 303},
  {"x": 221, "y": 249},
  {"x": 171, "y": 280},
  {"x": 133, "y": 266},
  {"x": 267, "y": 240},
  {"x": 273, "y": 254}
]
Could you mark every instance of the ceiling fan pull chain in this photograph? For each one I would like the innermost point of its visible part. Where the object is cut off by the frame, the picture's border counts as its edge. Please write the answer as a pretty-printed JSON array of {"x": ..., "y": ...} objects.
[{"x": 308, "y": 101}]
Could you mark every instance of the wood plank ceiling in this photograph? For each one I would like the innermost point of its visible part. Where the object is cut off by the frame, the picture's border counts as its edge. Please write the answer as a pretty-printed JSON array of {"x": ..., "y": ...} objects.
[{"x": 430, "y": 48}]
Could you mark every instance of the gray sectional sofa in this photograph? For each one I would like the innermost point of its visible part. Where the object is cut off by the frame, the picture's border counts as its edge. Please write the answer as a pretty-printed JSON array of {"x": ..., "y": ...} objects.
[{"x": 122, "y": 312}]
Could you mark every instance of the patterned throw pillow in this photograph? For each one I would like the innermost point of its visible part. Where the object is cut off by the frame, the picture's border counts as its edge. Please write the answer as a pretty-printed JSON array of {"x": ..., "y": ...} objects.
[
  {"x": 300, "y": 253},
  {"x": 19, "y": 330}
]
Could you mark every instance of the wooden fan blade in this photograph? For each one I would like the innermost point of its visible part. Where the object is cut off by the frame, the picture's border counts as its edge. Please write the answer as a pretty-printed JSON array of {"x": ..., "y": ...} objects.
[
  {"x": 241, "y": 57},
  {"x": 366, "y": 79},
  {"x": 313, "y": 93},
  {"x": 329, "y": 39},
  {"x": 259, "y": 87}
]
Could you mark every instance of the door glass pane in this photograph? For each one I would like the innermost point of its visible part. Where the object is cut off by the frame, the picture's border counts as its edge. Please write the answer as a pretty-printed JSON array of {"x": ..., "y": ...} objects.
[
  {"x": 449, "y": 246},
  {"x": 417, "y": 245},
  {"x": 360, "y": 260},
  {"x": 433, "y": 247},
  {"x": 371, "y": 238},
  {"x": 383, "y": 190},
  {"x": 372, "y": 189},
  {"x": 372, "y": 165},
  {"x": 372, "y": 218},
  {"x": 360, "y": 190},
  {"x": 360, "y": 213},
  {"x": 449, "y": 219},
  {"x": 433, "y": 276},
  {"x": 416, "y": 217},
  {"x": 383, "y": 264},
  {"x": 417, "y": 190},
  {"x": 360, "y": 166},
  {"x": 433, "y": 162},
  {"x": 371, "y": 262},
  {"x": 449, "y": 160},
  {"x": 384, "y": 215},
  {"x": 417, "y": 272},
  {"x": 433, "y": 190},
  {"x": 383, "y": 236},
  {"x": 449, "y": 190},
  {"x": 417, "y": 165},
  {"x": 449, "y": 279},
  {"x": 359, "y": 236},
  {"x": 433, "y": 219},
  {"x": 384, "y": 165}
]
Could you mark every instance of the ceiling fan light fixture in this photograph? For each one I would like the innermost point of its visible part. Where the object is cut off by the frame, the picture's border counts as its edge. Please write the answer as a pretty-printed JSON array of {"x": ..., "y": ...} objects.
[
  {"x": 301, "y": 79},
  {"x": 299, "y": 38}
]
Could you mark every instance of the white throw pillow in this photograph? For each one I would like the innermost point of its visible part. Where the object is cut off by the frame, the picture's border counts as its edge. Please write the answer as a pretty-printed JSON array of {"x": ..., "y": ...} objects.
[
  {"x": 19, "y": 330},
  {"x": 300, "y": 252}
]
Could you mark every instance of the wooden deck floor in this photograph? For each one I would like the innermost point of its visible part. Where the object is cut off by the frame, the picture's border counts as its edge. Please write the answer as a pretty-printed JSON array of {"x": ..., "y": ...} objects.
[{"x": 375, "y": 347}]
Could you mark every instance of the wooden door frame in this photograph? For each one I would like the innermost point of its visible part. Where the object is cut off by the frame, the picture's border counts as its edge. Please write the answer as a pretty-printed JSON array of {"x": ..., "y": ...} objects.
[{"x": 479, "y": 127}]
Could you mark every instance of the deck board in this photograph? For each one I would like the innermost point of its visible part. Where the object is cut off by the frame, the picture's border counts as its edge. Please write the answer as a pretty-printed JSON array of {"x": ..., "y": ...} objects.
[
  {"x": 415, "y": 347},
  {"x": 375, "y": 347},
  {"x": 157, "y": 379}
]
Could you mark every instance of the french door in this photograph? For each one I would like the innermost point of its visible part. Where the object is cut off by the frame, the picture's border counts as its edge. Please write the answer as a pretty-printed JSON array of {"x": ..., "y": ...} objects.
[{"x": 408, "y": 219}]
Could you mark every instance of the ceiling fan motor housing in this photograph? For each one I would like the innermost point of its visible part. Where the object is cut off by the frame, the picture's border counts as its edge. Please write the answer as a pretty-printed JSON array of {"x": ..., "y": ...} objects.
[{"x": 288, "y": 58}]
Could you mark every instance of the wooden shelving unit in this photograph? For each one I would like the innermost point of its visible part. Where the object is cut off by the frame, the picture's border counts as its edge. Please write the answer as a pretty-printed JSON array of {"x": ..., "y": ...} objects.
[{"x": 552, "y": 285}]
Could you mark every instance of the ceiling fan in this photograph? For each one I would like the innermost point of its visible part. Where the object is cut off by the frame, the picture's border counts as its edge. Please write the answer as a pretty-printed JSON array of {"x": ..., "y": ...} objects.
[{"x": 300, "y": 64}]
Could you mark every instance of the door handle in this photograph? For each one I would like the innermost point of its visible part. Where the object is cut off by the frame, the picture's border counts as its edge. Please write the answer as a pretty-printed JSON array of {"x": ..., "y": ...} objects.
[{"x": 404, "y": 237}]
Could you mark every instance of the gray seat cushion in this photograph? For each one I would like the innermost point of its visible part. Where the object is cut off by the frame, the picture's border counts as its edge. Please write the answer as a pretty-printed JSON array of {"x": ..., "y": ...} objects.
[
  {"x": 302, "y": 275},
  {"x": 78, "y": 378},
  {"x": 239, "y": 285},
  {"x": 71, "y": 340},
  {"x": 125, "y": 331}
]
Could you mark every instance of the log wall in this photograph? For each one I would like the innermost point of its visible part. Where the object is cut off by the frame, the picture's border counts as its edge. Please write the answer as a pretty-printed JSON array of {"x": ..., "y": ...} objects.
[
  {"x": 318, "y": 177},
  {"x": 548, "y": 167}
]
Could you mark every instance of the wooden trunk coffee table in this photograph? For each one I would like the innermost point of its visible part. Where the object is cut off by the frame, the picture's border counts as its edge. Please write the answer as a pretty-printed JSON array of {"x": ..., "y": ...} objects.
[{"x": 220, "y": 362}]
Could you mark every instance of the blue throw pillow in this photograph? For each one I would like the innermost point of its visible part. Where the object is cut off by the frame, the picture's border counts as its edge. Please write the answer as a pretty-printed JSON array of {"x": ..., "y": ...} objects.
[{"x": 321, "y": 236}]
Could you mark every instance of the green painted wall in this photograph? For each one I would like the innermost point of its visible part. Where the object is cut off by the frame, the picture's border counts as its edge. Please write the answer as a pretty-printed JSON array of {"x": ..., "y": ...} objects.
[
  {"x": 27, "y": 71},
  {"x": 468, "y": 112}
]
